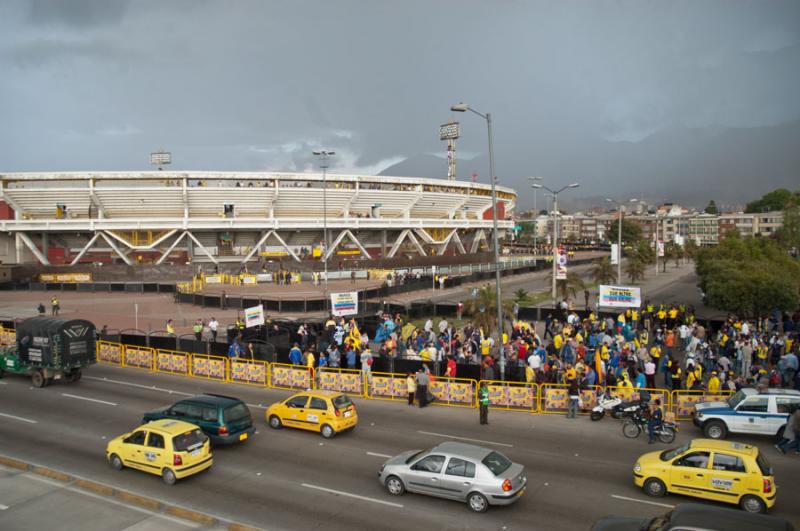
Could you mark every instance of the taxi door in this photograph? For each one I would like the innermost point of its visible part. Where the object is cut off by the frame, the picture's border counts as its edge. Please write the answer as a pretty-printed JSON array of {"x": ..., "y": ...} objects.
[
  {"x": 132, "y": 449},
  {"x": 317, "y": 414},
  {"x": 154, "y": 453},
  {"x": 727, "y": 479},
  {"x": 294, "y": 412},
  {"x": 689, "y": 473}
]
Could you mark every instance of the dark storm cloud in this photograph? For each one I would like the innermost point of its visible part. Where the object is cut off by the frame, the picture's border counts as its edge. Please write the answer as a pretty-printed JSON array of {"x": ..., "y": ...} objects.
[{"x": 257, "y": 85}]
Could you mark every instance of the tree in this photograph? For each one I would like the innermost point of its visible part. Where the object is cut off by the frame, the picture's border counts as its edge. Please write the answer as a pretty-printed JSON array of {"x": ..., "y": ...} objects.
[
  {"x": 631, "y": 232},
  {"x": 571, "y": 285},
  {"x": 634, "y": 268},
  {"x": 690, "y": 249},
  {"x": 789, "y": 234},
  {"x": 644, "y": 253},
  {"x": 676, "y": 254},
  {"x": 712, "y": 208},
  {"x": 520, "y": 296},
  {"x": 483, "y": 309},
  {"x": 749, "y": 276},
  {"x": 774, "y": 200},
  {"x": 604, "y": 272}
]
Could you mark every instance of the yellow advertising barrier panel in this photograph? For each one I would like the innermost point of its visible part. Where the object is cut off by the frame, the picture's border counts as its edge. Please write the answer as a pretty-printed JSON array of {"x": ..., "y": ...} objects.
[
  {"x": 458, "y": 392},
  {"x": 348, "y": 381},
  {"x": 173, "y": 362},
  {"x": 387, "y": 386},
  {"x": 683, "y": 401},
  {"x": 8, "y": 336},
  {"x": 554, "y": 398},
  {"x": 512, "y": 396},
  {"x": 65, "y": 277},
  {"x": 210, "y": 367},
  {"x": 108, "y": 352},
  {"x": 251, "y": 372},
  {"x": 139, "y": 357},
  {"x": 290, "y": 377}
]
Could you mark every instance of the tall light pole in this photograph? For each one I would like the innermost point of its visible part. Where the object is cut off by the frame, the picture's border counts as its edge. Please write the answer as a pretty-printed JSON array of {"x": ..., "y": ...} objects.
[
  {"x": 535, "y": 215},
  {"x": 323, "y": 158},
  {"x": 619, "y": 238},
  {"x": 555, "y": 227},
  {"x": 463, "y": 107}
]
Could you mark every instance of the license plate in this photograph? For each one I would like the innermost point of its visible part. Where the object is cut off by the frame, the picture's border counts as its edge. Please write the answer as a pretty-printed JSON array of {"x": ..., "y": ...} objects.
[
  {"x": 242, "y": 436},
  {"x": 348, "y": 413},
  {"x": 195, "y": 453}
]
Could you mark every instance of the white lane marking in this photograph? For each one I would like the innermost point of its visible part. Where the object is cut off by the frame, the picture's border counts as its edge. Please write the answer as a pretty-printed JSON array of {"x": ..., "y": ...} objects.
[
  {"x": 379, "y": 455},
  {"x": 464, "y": 438},
  {"x": 88, "y": 399},
  {"x": 3, "y": 507},
  {"x": 356, "y": 496},
  {"x": 668, "y": 506},
  {"x": 140, "y": 386},
  {"x": 255, "y": 406},
  {"x": 186, "y": 523},
  {"x": 19, "y": 418},
  {"x": 3, "y": 383}
]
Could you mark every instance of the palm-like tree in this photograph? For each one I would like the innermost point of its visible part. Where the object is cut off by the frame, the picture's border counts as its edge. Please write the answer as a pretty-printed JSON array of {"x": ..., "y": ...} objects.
[
  {"x": 483, "y": 309},
  {"x": 634, "y": 268},
  {"x": 571, "y": 285},
  {"x": 603, "y": 272}
]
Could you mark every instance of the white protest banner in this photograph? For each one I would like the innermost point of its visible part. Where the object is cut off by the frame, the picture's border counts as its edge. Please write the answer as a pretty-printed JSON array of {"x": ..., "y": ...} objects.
[
  {"x": 620, "y": 296},
  {"x": 614, "y": 253},
  {"x": 660, "y": 248},
  {"x": 344, "y": 303},
  {"x": 254, "y": 316}
]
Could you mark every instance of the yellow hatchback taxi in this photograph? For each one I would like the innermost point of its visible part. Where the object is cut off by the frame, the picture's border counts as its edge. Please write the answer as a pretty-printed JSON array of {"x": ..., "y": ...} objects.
[
  {"x": 326, "y": 412},
  {"x": 710, "y": 469},
  {"x": 172, "y": 449}
]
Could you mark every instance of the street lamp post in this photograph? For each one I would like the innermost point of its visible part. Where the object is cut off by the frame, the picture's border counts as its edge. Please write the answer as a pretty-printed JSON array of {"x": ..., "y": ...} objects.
[
  {"x": 555, "y": 193},
  {"x": 463, "y": 107},
  {"x": 323, "y": 155},
  {"x": 619, "y": 239},
  {"x": 535, "y": 215}
]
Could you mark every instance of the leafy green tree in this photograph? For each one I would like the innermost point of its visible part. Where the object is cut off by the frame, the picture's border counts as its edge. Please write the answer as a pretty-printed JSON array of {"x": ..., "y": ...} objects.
[
  {"x": 644, "y": 253},
  {"x": 774, "y": 200},
  {"x": 604, "y": 272},
  {"x": 571, "y": 285},
  {"x": 483, "y": 309},
  {"x": 634, "y": 268},
  {"x": 690, "y": 249},
  {"x": 520, "y": 296},
  {"x": 789, "y": 234},
  {"x": 631, "y": 232},
  {"x": 749, "y": 276},
  {"x": 711, "y": 208}
]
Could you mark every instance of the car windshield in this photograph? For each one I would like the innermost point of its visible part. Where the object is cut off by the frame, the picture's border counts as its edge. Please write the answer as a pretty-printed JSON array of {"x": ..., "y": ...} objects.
[
  {"x": 763, "y": 465},
  {"x": 734, "y": 400},
  {"x": 237, "y": 412},
  {"x": 189, "y": 441},
  {"x": 415, "y": 455},
  {"x": 497, "y": 463},
  {"x": 667, "y": 455},
  {"x": 342, "y": 402}
]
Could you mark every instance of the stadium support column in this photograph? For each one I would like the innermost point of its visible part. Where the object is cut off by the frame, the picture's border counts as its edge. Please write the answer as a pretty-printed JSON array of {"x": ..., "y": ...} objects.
[
  {"x": 383, "y": 243},
  {"x": 190, "y": 249}
]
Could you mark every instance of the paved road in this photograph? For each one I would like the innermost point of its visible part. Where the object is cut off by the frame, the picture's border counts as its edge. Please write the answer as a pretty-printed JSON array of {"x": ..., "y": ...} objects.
[{"x": 275, "y": 481}]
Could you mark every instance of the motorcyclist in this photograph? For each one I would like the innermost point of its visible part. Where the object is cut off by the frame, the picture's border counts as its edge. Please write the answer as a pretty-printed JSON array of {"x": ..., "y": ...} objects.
[{"x": 654, "y": 421}]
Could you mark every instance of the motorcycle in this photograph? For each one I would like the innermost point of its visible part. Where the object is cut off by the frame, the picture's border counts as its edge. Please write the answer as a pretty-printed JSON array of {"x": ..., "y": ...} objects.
[
  {"x": 629, "y": 408},
  {"x": 605, "y": 402},
  {"x": 637, "y": 424}
]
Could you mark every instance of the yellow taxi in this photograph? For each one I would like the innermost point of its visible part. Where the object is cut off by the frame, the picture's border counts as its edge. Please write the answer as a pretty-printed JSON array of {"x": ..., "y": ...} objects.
[
  {"x": 172, "y": 449},
  {"x": 326, "y": 412},
  {"x": 710, "y": 469}
]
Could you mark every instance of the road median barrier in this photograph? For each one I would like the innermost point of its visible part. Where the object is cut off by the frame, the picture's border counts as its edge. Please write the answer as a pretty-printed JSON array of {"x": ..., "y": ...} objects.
[{"x": 124, "y": 496}]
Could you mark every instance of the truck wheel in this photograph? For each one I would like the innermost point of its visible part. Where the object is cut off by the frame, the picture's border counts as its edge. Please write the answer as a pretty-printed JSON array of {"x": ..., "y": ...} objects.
[
  {"x": 715, "y": 429},
  {"x": 37, "y": 379}
]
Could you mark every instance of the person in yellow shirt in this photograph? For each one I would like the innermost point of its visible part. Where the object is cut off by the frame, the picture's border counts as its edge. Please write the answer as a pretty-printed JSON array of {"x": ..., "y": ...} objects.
[
  {"x": 571, "y": 373},
  {"x": 713, "y": 384},
  {"x": 170, "y": 327},
  {"x": 558, "y": 342}
]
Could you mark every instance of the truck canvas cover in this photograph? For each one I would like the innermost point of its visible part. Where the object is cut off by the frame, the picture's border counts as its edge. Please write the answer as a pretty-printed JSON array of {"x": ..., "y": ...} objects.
[{"x": 56, "y": 343}]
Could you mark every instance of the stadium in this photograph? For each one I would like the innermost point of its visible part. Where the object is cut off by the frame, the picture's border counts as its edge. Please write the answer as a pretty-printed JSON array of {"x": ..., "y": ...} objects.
[{"x": 69, "y": 218}]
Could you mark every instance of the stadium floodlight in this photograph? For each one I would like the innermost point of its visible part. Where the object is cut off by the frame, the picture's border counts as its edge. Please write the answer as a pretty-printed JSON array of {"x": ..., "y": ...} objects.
[{"x": 160, "y": 158}]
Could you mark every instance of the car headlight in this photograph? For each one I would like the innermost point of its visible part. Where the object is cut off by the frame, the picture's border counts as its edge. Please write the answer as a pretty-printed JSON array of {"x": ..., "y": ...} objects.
[
  {"x": 637, "y": 468},
  {"x": 699, "y": 415}
]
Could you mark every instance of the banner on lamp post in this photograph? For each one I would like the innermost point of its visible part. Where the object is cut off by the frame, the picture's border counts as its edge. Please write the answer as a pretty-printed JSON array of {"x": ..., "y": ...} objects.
[
  {"x": 660, "y": 248},
  {"x": 344, "y": 303},
  {"x": 561, "y": 264},
  {"x": 614, "y": 254},
  {"x": 619, "y": 296}
]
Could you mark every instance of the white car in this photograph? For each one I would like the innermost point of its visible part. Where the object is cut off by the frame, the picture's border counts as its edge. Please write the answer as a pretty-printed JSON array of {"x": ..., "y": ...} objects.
[{"x": 747, "y": 411}]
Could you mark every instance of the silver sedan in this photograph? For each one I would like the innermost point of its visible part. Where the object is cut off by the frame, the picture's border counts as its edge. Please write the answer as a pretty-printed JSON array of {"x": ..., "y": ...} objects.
[{"x": 464, "y": 472}]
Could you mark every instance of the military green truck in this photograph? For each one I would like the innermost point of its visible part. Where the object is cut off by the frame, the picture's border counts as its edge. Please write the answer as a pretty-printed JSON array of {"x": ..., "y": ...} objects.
[{"x": 49, "y": 349}]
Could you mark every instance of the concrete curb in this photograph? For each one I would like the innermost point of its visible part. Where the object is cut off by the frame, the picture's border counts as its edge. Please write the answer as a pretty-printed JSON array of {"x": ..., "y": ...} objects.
[{"x": 130, "y": 498}]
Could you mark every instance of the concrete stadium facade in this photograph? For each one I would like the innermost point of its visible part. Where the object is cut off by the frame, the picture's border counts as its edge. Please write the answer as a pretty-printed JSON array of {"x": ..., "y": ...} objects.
[{"x": 239, "y": 217}]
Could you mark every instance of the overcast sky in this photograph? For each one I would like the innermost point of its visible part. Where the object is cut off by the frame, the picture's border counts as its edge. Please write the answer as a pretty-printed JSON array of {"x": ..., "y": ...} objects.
[{"x": 256, "y": 85}]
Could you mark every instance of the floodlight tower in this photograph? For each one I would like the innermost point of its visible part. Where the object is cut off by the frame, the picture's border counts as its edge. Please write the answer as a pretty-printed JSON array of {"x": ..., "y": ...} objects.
[{"x": 450, "y": 132}]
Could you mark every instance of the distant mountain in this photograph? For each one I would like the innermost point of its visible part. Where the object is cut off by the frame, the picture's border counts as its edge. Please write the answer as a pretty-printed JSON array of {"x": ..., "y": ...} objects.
[{"x": 686, "y": 166}]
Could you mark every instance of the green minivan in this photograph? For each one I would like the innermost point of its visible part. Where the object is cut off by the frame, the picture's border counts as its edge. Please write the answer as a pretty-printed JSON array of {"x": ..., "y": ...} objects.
[{"x": 224, "y": 419}]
